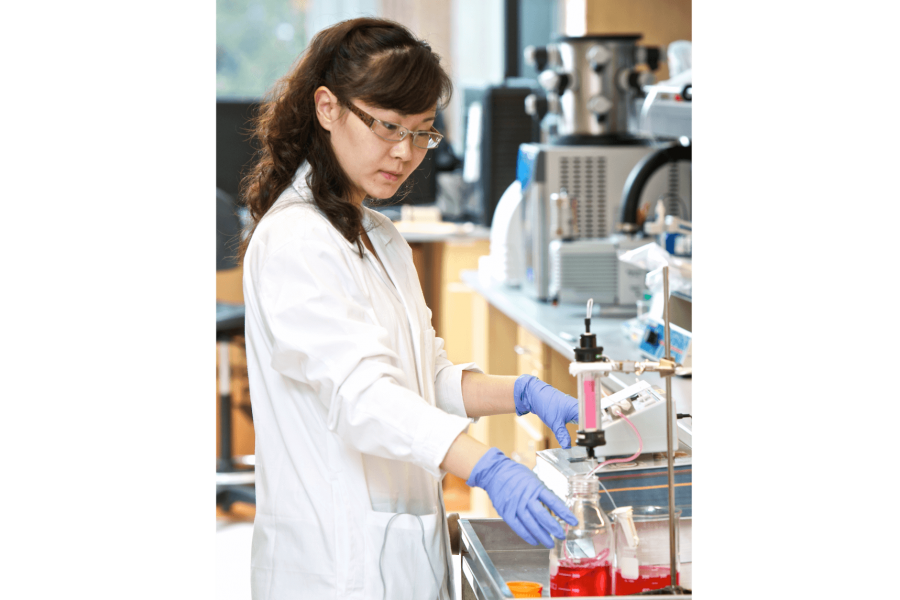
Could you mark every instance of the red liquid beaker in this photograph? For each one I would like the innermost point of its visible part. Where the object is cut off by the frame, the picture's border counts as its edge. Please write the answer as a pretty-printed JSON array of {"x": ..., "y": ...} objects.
[
  {"x": 585, "y": 578},
  {"x": 643, "y": 558},
  {"x": 581, "y": 564}
]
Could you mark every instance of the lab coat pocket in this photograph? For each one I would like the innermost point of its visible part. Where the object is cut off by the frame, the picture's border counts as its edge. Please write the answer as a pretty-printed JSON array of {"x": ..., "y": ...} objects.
[{"x": 395, "y": 552}]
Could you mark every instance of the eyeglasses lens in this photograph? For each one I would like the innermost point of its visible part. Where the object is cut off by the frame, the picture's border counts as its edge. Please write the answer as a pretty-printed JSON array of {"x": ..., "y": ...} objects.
[{"x": 394, "y": 133}]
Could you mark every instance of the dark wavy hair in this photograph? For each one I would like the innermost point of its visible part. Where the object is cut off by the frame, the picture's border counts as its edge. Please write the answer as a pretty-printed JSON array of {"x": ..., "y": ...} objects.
[{"x": 374, "y": 60}]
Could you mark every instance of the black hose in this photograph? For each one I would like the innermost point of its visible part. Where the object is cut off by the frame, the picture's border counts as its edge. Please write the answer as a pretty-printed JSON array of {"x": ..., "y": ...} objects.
[{"x": 640, "y": 175}]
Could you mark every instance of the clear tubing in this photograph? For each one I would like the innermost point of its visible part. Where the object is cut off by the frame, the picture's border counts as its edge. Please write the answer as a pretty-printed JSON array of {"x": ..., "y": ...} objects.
[
  {"x": 621, "y": 460},
  {"x": 608, "y": 495}
]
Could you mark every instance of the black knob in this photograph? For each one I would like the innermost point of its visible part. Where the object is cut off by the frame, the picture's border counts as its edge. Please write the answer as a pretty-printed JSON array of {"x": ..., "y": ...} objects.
[
  {"x": 536, "y": 106},
  {"x": 634, "y": 80},
  {"x": 539, "y": 57},
  {"x": 653, "y": 56},
  {"x": 563, "y": 83}
]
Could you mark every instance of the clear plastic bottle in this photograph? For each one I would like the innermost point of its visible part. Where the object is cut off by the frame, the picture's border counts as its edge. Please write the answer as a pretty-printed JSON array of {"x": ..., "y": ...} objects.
[{"x": 582, "y": 564}]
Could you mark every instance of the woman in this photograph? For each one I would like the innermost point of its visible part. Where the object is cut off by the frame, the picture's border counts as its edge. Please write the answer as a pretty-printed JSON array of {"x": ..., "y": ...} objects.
[{"x": 358, "y": 413}]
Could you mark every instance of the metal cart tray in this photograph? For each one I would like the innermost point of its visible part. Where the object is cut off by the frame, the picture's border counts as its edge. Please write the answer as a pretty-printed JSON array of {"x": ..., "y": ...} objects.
[{"x": 492, "y": 554}]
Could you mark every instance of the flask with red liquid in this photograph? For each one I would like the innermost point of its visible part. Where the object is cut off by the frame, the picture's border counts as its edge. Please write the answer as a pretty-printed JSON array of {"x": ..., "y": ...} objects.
[
  {"x": 581, "y": 565},
  {"x": 643, "y": 559}
]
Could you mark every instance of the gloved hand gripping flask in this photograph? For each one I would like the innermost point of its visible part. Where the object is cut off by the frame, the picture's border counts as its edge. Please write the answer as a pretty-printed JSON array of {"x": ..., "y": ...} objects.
[{"x": 581, "y": 565}]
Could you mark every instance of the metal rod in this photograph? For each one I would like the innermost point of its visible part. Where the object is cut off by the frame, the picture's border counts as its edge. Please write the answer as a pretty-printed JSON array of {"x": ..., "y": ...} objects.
[
  {"x": 224, "y": 406},
  {"x": 670, "y": 413},
  {"x": 513, "y": 53}
]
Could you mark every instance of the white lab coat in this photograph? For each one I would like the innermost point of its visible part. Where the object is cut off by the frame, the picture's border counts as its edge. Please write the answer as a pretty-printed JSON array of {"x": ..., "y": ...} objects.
[{"x": 355, "y": 406}]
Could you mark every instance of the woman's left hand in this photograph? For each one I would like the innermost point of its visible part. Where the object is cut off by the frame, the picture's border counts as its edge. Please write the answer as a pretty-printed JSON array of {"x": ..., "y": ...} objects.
[{"x": 553, "y": 407}]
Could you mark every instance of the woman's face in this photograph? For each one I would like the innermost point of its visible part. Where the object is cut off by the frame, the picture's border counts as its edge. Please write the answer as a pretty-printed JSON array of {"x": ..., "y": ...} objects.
[{"x": 376, "y": 167}]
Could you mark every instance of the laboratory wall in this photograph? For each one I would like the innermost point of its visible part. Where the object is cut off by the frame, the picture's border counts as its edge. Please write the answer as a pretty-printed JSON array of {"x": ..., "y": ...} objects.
[{"x": 660, "y": 22}]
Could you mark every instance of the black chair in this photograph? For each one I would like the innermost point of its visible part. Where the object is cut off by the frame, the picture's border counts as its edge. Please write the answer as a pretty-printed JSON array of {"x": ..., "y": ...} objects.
[{"x": 235, "y": 475}]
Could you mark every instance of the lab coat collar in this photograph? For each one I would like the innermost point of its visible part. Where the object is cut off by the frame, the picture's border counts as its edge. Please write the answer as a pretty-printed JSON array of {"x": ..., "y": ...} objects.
[
  {"x": 299, "y": 181},
  {"x": 373, "y": 222}
]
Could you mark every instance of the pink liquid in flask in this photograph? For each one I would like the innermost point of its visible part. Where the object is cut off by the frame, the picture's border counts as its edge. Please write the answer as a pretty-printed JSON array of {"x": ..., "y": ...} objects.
[{"x": 581, "y": 577}]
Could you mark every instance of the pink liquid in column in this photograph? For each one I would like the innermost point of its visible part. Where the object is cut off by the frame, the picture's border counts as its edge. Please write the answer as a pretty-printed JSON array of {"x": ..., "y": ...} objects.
[{"x": 590, "y": 405}]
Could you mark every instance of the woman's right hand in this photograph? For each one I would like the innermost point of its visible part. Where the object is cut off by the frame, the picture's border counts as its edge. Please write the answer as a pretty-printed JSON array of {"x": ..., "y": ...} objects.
[{"x": 517, "y": 494}]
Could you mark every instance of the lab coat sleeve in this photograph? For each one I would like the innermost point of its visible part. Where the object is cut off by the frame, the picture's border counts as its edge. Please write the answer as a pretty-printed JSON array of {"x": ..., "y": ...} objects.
[
  {"x": 316, "y": 311},
  {"x": 448, "y": 380}
]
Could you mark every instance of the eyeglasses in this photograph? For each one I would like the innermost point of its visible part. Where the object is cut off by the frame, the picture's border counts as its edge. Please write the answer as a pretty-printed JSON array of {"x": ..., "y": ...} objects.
[{"x": 397, "y": 133}]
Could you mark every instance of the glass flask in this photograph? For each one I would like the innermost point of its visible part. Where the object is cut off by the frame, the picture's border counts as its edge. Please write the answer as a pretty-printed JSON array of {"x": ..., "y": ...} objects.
[
  {"x": 643, "y": 558},
  {"x": 581, "y": 565}
]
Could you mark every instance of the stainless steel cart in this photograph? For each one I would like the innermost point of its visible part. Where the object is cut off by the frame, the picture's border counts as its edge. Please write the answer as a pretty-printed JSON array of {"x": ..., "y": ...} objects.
[{"x": 493, "y": 554}]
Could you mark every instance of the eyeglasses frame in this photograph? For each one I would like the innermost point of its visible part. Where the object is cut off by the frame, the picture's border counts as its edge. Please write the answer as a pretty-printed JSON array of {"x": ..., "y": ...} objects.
[{"x": 369, "y": 120}]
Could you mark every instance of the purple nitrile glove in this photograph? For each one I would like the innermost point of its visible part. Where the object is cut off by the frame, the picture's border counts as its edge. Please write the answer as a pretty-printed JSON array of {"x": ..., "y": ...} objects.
[
  {"x": 553, "y": 407},
  {"x": 517, "y": 494}
]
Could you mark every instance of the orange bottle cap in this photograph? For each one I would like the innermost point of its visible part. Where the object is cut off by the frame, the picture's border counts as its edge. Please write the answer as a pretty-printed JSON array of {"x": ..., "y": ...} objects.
[{"x": 525, "y": 589}]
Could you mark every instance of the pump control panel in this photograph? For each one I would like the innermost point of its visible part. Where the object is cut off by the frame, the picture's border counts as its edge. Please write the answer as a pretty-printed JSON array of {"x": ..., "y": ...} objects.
[
  {"x": 654, "y": 340},
  {"x": 645, "y": 407}
]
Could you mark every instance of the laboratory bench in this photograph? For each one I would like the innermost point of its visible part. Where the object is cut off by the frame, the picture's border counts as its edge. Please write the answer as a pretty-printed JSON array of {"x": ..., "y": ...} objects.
[{"x": 559, "y": 327}]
